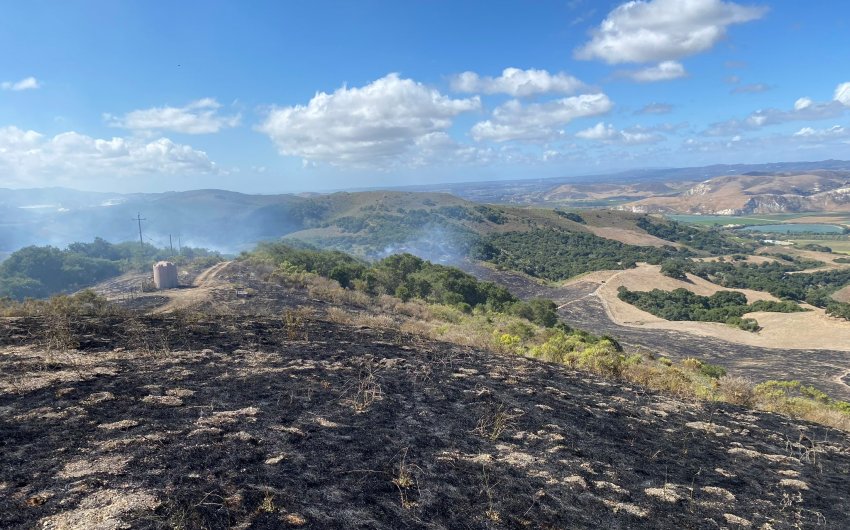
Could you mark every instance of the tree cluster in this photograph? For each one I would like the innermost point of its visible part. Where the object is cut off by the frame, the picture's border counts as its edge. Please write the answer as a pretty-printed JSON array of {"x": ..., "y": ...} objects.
[
  {"x": 727, "y": 307},
  {"x": 711, "y": 240},
  {"x": 40, "y": 272},
  {"x": 407, "y": 277},
  {"x": 558, "y": 255}
]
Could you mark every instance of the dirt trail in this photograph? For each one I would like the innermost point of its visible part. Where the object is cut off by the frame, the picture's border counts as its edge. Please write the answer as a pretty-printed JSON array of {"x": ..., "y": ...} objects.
[{"x": 200, "y": 291}]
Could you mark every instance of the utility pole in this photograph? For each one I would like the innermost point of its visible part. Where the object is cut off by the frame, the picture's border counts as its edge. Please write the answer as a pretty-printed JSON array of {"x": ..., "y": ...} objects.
[
  {"x": 139, "y": 220},
  {"x": 179, "y": 245},
  {"x": 170, "y": 244}
]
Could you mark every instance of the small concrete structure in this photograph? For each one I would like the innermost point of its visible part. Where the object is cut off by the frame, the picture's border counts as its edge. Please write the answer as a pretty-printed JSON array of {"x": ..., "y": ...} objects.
[{"x": 165, "y": 275}]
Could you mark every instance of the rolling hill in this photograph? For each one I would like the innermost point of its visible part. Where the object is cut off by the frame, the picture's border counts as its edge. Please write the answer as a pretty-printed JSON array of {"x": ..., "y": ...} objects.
[
  {"x": 754, "y": 193},
  {"x": 369, "y": 223}
]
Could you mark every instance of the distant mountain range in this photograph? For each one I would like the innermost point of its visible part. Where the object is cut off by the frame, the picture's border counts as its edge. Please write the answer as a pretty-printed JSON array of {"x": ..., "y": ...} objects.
[
  {"x": 753, "y": 193},
  {"x": 613, "y": 185},
  {"x": 231, "y": 221}
]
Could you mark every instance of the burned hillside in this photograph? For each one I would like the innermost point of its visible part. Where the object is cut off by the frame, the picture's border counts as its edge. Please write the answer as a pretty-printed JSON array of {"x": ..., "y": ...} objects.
[{"x": 255, "y": 423}]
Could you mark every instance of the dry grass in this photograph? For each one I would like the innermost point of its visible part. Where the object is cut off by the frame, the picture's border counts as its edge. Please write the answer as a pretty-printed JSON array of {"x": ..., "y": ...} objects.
[{"x": 493, "y": 331}]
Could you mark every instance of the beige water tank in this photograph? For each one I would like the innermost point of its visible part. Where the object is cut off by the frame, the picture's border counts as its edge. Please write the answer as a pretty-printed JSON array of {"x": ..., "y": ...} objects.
[{"x": 165, "y": 275}]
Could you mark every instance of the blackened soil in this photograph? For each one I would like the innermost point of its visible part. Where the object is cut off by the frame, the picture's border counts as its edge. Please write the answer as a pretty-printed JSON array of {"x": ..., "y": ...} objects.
[{"x": 243, "y": 423}]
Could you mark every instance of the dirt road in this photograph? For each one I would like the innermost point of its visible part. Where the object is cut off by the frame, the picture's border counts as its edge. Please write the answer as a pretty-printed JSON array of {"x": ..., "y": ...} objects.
[{"x": 200, "y": 291}]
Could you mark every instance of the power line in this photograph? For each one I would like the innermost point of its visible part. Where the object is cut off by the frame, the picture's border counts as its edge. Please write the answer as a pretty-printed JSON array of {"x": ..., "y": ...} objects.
[{"x": 139, "y": 220}]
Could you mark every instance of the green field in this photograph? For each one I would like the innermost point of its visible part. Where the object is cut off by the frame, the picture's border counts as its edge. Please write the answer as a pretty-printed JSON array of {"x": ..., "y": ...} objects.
[
  {"x": 766, "y": 219},
  {"x": 797, "y": 228},
  {"x": 841, "y": 246},
  {"x": 710, "y": 220}
]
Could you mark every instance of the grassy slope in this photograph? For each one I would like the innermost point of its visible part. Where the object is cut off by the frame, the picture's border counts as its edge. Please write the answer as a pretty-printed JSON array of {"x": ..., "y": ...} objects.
[{"x": 384, "y": 213}]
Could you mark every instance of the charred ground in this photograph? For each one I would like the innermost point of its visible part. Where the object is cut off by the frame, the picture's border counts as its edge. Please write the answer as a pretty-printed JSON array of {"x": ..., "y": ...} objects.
[{"x": 257, "y": 422}]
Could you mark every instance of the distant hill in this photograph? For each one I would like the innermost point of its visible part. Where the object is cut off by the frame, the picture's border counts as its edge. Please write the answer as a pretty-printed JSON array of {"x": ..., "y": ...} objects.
[
  {"x": 631, "y": 184},
  {"x": 754, "y": 193},
  {"x": 369, "y": 223}
]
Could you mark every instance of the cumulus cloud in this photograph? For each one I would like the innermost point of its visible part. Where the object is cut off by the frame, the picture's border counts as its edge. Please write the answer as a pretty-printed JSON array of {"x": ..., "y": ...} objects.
[
  {"x": 198, "y": 117},
  {"x": 803, "y": 103},
  {"x": 842, "y": 94},
  {"x": 377, "y": 124},
  {"x": 27, "y": 83},
  {"x": 752, "y": 88},
  {"x": 663, "y": 30},
  {"x": 664, "y": 71},
  {"x": 609, "y": 133},
  {"x": 655, "y": 108},
  {"x": 517, "y": 83},
  {"x": 538, "y": 121},
  {"x": 30, "y": 156},
  {"x": 832, "y": 132},
  {"x": 805, "y": 109}
]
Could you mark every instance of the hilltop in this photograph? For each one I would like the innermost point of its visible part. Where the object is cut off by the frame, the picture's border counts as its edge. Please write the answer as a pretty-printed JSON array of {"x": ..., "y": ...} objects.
[
  {"x": 272, "y": 412},
  {"x": 362, "y": 222}
]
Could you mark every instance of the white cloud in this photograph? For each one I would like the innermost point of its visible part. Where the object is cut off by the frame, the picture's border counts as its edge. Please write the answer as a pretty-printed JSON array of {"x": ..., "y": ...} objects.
[
  {"x": 374, "y": 125},
  {"x": 809, "y": 132},
  {"x": 608, "y": 133},
  {"x": 517, "y": 83},
  {"x": 805, "y": 109},
  {"x": 198, "y": 117},
  {"x": 803, "y": 103},
  {"x": 663, "y": 30},
  {"x": 30, "y": 156},
  {"x": 27, "y": 83},
  {"x": 664, "y": 71},
  {"x": 842, "y": 94},
  {"x": 538, "y": 121}
]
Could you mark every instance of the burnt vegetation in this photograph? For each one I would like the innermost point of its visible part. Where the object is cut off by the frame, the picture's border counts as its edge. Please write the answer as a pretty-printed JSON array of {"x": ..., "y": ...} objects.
[{"x": 200, "y": 420}]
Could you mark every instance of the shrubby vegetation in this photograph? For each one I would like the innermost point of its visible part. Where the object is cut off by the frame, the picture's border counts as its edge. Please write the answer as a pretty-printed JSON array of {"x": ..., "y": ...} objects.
[
  {"x": 39, "y": 272},
  {"x": 838, "y": 309},
  {"x": 711, "y": 240},
  {"x": 572, "y": 216},
  {"x": 558, "y": 255},
  {"x": 801, "y": 262},
  {"x": 775, "y": 278},
  {"x": 727, "y": 307},
  {"x": 817, "y": 248},
  {"x": 406, "y": 277}
]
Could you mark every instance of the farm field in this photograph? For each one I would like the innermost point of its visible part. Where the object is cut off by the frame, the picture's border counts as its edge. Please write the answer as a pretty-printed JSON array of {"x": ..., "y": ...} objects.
[
  {"x": 797, "y": 228},
  {"x": 840, "y": 218},
  {"x": 841, "y": 246}
]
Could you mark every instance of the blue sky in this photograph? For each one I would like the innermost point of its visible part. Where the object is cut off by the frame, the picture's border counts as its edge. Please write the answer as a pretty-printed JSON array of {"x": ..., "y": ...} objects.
[{"x": 293, "y": 96}]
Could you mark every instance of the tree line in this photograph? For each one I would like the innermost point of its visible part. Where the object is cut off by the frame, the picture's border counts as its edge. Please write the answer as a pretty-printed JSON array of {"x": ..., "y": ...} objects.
[
  {"x": 406, "y": 277},
  {"x": 43, "y": 271}
]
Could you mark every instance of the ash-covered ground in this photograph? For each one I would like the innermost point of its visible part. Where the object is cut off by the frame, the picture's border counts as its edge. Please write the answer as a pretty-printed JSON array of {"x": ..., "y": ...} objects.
[{"x": 231, "y": 421}]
